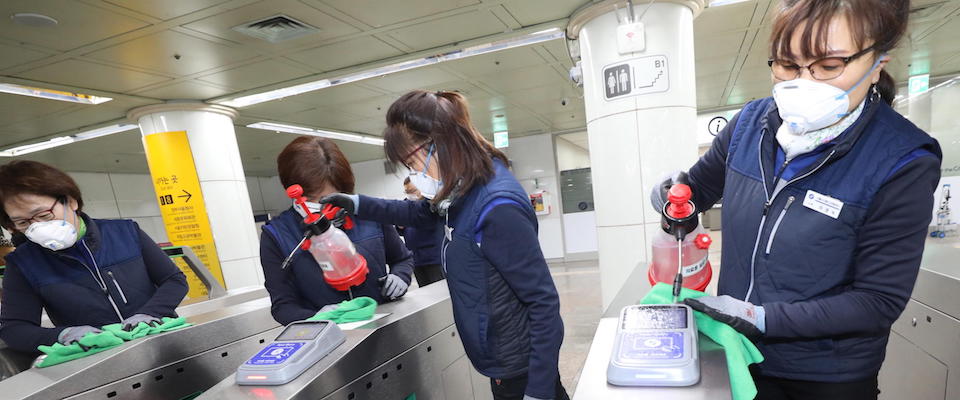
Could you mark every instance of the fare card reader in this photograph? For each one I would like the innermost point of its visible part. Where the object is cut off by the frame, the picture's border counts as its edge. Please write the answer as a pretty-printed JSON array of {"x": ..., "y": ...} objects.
[
  {"x": 297, "y": 348},
  {"x": 656, "y": 345}
]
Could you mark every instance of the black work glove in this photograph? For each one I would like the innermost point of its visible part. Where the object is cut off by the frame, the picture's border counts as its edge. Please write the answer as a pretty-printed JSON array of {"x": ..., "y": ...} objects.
[
  {"x": 347, "y": 202},
  {"x": 658, "y": 195},
  {"x": 744, "y": 317}
]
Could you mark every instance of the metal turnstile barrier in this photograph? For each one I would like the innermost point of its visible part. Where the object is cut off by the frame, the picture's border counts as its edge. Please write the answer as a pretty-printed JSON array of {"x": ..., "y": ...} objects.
[{"x": 416, "y": 349}]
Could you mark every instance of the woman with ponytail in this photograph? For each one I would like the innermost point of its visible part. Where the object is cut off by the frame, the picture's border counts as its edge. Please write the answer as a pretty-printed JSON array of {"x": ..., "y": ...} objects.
[
  {"x": 505, "y": 304},
  {"x": 827, "y": 195}
]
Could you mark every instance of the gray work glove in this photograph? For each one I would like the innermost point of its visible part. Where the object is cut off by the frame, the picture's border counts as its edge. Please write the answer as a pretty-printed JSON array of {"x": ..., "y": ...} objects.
[
  {"x": 393, "y": 287},
  {"x": 328, "y": 307},
  {"x": 134, "y": 320},
  {"x": 75, "y": 333},
  {"x": 348, "y": 202},
  {"x": 746, "y": 318},
  {"x": 658, "y": 195}
]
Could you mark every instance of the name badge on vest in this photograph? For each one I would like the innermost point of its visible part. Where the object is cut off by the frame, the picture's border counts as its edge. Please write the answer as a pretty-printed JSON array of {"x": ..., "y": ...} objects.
[{"x": 823, "y": 204}]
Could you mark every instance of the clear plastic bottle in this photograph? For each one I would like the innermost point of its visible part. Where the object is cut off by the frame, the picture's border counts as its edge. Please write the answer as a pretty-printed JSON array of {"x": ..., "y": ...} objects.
[
  {"x": 342, "y": 266},
  {"x": 697, "y": 271}
]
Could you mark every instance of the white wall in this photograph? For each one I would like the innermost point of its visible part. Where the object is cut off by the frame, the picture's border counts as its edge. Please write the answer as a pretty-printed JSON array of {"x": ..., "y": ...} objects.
[
  {"x": 373, "y": 181},
  {"x": 535, "y": 166},
  {"x": 571, "y": 156}
]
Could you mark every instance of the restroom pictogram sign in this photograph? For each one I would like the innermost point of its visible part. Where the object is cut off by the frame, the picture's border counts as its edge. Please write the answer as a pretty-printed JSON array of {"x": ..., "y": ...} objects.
[{"x": 635, "y": 77}]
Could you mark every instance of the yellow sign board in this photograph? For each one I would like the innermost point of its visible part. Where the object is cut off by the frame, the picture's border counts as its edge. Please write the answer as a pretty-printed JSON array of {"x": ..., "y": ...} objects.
[{"x": 181, "y": 202}]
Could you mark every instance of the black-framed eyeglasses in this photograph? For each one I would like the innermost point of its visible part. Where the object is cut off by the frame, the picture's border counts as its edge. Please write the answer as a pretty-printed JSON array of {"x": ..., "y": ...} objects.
[
  {"x": 45, "y": 215},
  {"x": 823, "y": 69}
]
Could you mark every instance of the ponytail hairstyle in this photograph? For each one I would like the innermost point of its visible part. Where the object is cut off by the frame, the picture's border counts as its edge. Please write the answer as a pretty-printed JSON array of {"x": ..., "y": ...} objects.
[
  {"x": 420, "y": 119},
  {"x": 880, "y": 22}
]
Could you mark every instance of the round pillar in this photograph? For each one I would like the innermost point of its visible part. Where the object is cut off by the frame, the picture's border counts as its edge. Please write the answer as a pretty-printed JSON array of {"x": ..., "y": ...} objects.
[
  {"x": 201, "y": 187},
  {"x": 641, "y": 109}
]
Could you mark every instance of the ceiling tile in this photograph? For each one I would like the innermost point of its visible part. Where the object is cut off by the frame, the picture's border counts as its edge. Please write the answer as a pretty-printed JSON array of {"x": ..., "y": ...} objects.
[
  {"x": 336, "y": 95},
  {"x": 187, "y": 90},
  {"x": 498, "y": 62},
  {"x": 548, "y": 99},
  {"x": 78, "y": 24},
  {"x": 370, "y": 126},
  {"x": 255, "y": 75},
  {"x": 345, "y": 54},
  {"x": 378, "y": 13},
  {"x": 122, "y": 152},
  {"x": 157, "y": 53},
  {"x": 221, "y": 25},
  {"x": 401, "y": 82},
  {"x": 454, "y": 29},
  {"x": 715, "y": 65},
  {"x": 16, "y": 55},
  {"x": 524, "y": 78},
  {"x": 83, "y": 74},
  {"x": 716, "y": 45},
  {"x": 532, "y": 12},
  {"x": 571, "y": 119},
  {"x": 724, "y": 19},
  {"x": 66, "y": 118},
  {"x": 15, "y": 108},
  {"x": 321, "y": 117},
  {"x": 166, "y": 9},
  {"x": 276, "y": 108},
  {"x": 371, "y": 108}
]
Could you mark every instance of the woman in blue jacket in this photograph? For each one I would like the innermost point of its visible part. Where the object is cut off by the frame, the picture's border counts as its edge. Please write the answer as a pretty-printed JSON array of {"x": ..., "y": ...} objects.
[
  {"x": 504, "y": 301},
  {"x": 84, "y": 272},
  {"x": 300, "y": 291},
  {"x": 827, "y": 195},
  {"x": 424, "y": 243}
]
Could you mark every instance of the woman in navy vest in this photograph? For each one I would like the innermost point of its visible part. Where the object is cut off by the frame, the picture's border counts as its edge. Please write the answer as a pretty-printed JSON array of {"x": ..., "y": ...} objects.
[
  {"x": 300, "y": 291},
  {"x": 84, "y": 272},
  {"x": 827, "y": 195},
  {"x": 504, "y": 301}
]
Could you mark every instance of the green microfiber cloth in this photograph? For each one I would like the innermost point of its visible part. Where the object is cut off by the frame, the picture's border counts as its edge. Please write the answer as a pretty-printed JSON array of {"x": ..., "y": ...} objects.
[
  {"x": 358, "y": 309},
  {"x": 411, "y": 397},
  {"x": 142, "y": 329},
  {"x": 740, "y": 351},
  {"x": 94, "y": 342}
]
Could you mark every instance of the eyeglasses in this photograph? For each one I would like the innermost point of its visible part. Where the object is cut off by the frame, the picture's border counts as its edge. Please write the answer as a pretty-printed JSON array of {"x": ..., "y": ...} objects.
[
  {"x": 45, "y": 215},
  {"x": 406, "y": 159},
  {"x": 822, "y": 70}
]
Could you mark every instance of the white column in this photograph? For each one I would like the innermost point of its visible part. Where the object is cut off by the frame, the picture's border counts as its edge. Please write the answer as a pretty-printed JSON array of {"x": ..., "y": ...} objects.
[
  {"x": 641, "y": 114},
  {"x": 213, "y": 144}
]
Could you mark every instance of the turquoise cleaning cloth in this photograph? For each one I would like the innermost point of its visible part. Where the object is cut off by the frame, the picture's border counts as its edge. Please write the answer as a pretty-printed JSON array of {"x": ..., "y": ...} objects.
[
  {"x": 358, "y": 309},
  {"x": 167, "y": 324},
  {"x": 91, "y": 343}
]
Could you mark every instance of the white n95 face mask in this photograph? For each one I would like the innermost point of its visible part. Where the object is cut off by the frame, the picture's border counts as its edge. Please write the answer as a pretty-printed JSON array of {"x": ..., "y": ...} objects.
[
  {"x": 807, "y": 106},
  {"x": 55, "y": 235},
  {"x": 428, "y": 186}
]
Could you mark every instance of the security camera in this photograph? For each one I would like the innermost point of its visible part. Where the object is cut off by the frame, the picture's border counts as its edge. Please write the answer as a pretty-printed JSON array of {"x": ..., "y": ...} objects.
[
  {"x": 563, "y": 101},
  {"x": 576, "y": 74}
]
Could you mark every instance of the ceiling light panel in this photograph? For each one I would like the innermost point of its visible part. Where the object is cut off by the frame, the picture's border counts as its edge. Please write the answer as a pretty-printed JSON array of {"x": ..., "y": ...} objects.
[
  {"x": 302, "y": 130},
  {"x": 51, "y": 94}
]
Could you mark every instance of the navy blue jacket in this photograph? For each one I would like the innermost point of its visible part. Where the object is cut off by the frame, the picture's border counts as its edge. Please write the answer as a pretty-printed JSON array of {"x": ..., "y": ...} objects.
[
  {"x": 114, "y": 264},
  {"x": 505, "y": 303},
  {"x": 297, "y": 292},
  {"x": 831, "y": 287},
  {"x": 424, "y": 242}
]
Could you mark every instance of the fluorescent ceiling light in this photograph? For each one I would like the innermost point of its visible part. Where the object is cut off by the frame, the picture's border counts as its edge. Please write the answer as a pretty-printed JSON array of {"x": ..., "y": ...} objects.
[
  {"x": 301, "y": 130},
  {"x": 52, "y": 94},
  {"x": 64, "y": 140},
  {"x": 525, "y": 40},
  {"x": 718, "y": 3}
]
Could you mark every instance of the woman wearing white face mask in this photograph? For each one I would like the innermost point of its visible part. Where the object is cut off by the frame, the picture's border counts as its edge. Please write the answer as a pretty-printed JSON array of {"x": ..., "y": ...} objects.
[
  {"x": 424, "y": 242},
  {"x": 505, "y": 304},
  {"x": 84, "y": 272},
  {"x": 827, "y": 194}
]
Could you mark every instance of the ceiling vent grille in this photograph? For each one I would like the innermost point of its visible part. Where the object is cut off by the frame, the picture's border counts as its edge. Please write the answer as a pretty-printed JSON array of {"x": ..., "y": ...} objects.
[{"x": 276, "y": 28}]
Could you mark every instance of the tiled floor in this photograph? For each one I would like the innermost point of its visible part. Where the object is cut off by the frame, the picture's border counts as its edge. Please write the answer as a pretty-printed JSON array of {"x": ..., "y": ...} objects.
[{"x": 578, "y": 284}]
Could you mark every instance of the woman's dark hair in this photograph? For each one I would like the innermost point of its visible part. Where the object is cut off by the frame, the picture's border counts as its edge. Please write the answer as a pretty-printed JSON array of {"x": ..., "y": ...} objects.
[
  {"x": 443, "y": 119},
  {"x": 310, "y": 162},
  {"x": 32, "y": 177},
  {"x": 882, "y": 22}
]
